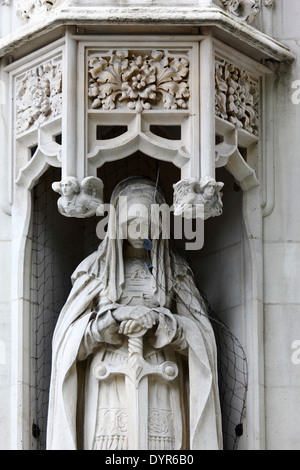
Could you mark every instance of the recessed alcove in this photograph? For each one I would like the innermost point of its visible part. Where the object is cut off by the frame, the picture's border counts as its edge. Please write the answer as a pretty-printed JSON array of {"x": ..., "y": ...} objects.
[
  {"x": 60, "y": 244},
  {"x": 139, "y": 164},
  {"x": 221, "y": 269}
]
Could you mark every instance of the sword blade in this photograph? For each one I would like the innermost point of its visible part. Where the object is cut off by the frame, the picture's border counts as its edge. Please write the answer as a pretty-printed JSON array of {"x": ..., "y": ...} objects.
[{"x": 137, "y": 403}]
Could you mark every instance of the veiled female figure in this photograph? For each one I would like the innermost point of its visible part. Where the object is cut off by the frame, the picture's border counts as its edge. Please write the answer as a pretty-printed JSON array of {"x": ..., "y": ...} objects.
[{"x": 119, "y": 291}]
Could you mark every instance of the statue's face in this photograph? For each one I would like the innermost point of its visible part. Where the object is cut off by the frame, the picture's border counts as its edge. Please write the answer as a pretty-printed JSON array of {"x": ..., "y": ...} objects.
[
  {"x": 137, "y": 231},
  {"x": 209, "y": 190},
  {"x": 66, "y": 188}
]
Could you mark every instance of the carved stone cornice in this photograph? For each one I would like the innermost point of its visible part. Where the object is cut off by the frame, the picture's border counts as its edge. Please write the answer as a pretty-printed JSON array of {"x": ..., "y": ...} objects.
[{"x": 166, "y": 17}]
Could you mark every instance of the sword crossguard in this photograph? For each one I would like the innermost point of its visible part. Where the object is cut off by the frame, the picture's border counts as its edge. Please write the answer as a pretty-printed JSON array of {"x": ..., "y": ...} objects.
[{"x": 136, "y": 367}]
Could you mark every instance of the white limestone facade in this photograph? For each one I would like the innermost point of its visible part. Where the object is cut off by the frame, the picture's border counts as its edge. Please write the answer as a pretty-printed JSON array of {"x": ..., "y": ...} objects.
[{"x": 232, "y": 93}]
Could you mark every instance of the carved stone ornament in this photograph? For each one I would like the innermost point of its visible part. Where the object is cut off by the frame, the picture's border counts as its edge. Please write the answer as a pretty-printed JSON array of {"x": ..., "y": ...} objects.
[
  {"x": 237, "y": 97},
  {"x": 246, "y": 10},
  {"x": 139, "y": 81},
  {"x": 194, "y": 198},
  {"x": 38, "y": 95},
  {"x": 30, "y": 8},
  {"x": 79, "y": 200},
  {"x": 269, "y": 3}
]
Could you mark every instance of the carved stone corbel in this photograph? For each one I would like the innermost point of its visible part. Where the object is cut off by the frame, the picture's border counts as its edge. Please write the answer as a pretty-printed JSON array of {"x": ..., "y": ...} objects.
[
  {"x": 194, "y": 198},
  {"x": 79, "y": 200}
]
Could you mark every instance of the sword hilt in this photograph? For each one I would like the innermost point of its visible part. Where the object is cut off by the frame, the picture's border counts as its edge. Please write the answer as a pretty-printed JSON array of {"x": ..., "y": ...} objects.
[
  {"x": 136, "y": 367},
  {"x": 136, "y": 343}
]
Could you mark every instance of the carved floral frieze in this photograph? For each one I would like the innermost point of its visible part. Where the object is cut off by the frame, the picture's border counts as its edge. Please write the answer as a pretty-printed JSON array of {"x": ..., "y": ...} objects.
[
  {"x": 38, "y": 95},
  {"x": 30, "y": 8},
  {"x": 237, "y": 97},
  {"x": 139, "y": 81}
]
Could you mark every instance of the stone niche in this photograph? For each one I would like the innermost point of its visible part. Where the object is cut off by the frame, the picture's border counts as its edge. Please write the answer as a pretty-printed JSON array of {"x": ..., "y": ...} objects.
[{"x": 102, "y": 91}]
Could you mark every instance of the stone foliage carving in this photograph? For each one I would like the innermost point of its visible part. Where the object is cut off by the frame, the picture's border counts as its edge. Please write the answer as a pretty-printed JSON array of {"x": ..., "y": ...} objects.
[
  {"x": 194, "y": 198},
  {"x": 139, "y": 81},
  {"x": 38, "y": 95},
  {"x": 30, "y": 8},
  {"x": 79, "y": 200},
  {"x": 237, "y": 97}
]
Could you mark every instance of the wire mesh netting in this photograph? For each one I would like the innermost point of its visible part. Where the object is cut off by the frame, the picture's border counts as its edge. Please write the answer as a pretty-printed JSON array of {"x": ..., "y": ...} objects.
[
  {"x": 232, "y": 364},
  {"x": 59, "y": 245},
  {"x": 233, "y": 380}
]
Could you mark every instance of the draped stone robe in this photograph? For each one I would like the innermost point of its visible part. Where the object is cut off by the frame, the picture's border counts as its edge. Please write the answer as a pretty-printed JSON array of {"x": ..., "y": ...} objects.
[
  {"x": 189, "y": 408},
  {"x": 106, "y": 413}
]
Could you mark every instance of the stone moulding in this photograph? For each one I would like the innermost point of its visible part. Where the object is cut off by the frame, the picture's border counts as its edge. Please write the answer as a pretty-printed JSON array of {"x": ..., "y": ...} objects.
[
  {"x": 139, "y": 81},
  {"x": 205, "y": 16}
]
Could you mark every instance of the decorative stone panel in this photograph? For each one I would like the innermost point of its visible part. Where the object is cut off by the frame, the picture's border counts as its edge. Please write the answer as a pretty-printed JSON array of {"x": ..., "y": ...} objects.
[
  {"x": 142, "y": 80},
  {"x": 38, "y": 95},
  {"x": 237, "y": 97}
]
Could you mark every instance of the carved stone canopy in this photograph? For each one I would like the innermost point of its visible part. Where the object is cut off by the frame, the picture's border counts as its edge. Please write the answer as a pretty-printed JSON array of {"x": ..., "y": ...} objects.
[
  {"x": 64, "y": 93},
  {"x": 40, "y": 17}
]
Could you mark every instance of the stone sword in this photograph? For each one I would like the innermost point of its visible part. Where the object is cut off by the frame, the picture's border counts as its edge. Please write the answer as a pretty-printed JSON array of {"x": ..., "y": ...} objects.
[{"x": 136, "y": 371}]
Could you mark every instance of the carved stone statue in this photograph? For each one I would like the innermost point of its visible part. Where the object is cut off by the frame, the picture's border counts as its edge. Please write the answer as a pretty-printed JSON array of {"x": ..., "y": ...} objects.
[
  {"x": 79, "y": 200},
  {"x": 194, "y": 198},
  {"x": 134, "y": 354}
]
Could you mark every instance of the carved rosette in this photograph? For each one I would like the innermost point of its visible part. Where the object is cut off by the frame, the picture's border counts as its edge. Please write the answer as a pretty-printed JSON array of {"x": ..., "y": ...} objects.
[
  {"x": 38, "y": 95},
  {"x": 237, "y": 97},
  {"x": 28, "y": 9},
  {"x": 144, "y": 81}
]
